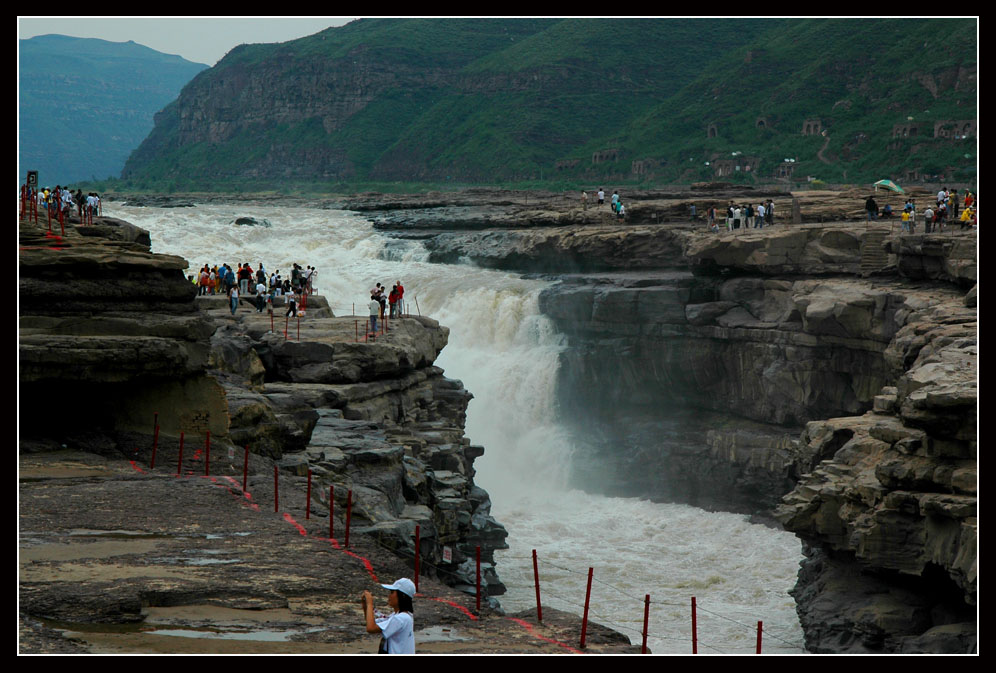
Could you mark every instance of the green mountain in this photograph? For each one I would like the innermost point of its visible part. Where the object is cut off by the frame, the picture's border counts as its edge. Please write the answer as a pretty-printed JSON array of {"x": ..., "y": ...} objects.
[
  {"x": 85, "y": 104},
  {"x": 647, "y": 101}
]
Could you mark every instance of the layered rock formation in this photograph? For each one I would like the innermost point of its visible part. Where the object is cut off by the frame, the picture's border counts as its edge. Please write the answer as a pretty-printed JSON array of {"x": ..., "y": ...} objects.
[
  {"x": 113, "y": 337},
  {"x": 835, "y": 365}
]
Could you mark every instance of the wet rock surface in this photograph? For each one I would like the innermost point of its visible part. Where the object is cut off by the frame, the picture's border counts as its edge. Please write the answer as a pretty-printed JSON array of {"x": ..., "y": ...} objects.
[{"x": 116, "y": 557}]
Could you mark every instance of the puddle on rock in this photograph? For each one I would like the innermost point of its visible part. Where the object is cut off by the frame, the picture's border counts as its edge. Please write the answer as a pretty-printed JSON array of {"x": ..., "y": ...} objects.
[
  {"x": 272, "y": 636},
  {"x": 440, "y": 634}
]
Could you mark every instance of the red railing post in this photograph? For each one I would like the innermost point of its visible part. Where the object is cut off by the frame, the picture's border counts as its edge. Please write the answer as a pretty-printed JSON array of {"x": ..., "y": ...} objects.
[
  {"x": 587, "y": 600},
  {"x": 418, "y": 548},
  {"x": 758, "y": 637},
  {"x": 245, "y": 470},
  {"x": 646, "y": 621},
  {"x": 478, "y": 579},
  {"x": 349, "y": 513},
  {"x": 307, "y": 511},
  {"x": 155, "y": 440},
  {"x": 179, "y": 462},
  {"x": 331, "y": 510},
  {"x": 695, "y": 640},
  {"x": 539, "y": 605}
]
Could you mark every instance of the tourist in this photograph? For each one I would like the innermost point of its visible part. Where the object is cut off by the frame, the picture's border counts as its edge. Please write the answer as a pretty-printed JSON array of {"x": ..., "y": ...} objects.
[
  {"x": 233, "y": 299},
  {"x": 392, "y": 300},
  {"x": 928, "y": 220},
  {"x": 620, "y": 210},
  {"x": 906, "y": 220},
  {"x": 749, "y": 214},
  {"x": 729, "y": 217},
  {"x": 615, "y": 200},
  {"x": 966, "y": 218},
  {"x": 953, "y": 202},
  {"x": 397, "y": 630},
  {"x": 260, "y": 296},
  {"x": 291, "y": 305},
  {"x": 887, "y": 212},
  {"x": 374, "y": 312},
  {"x": 942, "y": 196},
  {"x": 584, "y": 200},
  {"x": 601, "y": 196},
  {"x": 693, "y": 212},
  {"x": 401, "y": 298},
  {"x": 711, "y": 217},
  {"x": 769, "y": 212},
  {"x": 736, "y": 217},
  {"x": 760, "y": 216},
  {"x": 871, "y": 208},
  {"x": 940, "y": 216}
]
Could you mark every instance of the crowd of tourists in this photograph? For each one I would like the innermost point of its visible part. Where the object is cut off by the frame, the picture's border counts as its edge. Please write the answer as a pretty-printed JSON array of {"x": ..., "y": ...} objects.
[
  {"x": 742, "y": 216},
  {"x": 615, "y": 202},
  {"x": 62, "y": 200},
  {"x": 387, "y": 303},
  {"x": 947, "y": 209},
  {"x": 255, "y": 285}
]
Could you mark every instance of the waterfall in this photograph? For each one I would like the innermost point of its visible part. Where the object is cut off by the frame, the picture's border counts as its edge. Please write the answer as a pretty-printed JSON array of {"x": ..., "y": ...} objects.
[{"x": 506, "y": 353}]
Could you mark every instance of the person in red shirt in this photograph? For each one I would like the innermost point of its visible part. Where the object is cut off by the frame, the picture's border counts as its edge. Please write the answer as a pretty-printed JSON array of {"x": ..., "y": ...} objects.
[
  {"x": 392, "y": 299},
  {"x": 401, "y": 298}
]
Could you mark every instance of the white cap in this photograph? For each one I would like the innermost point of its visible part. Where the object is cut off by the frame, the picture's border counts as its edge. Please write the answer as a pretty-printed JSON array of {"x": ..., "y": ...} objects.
[{"x": 404, "y": 585}]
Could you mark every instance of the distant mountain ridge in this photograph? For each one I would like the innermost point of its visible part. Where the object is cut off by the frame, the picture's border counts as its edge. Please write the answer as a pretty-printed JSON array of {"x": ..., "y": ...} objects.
[
  {"x": 505, "y": 100},
  {"x": 85, "y": 104}
]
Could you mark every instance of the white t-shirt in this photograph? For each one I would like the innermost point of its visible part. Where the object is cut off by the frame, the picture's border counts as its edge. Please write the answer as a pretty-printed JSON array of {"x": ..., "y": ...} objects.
[
  {"x": 399, "y": 632},
  {"x": 374, "y": 307}
]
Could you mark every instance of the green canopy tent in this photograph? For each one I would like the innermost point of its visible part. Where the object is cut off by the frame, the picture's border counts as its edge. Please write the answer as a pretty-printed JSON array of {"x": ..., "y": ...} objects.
[{"x": 889, "y": 184}]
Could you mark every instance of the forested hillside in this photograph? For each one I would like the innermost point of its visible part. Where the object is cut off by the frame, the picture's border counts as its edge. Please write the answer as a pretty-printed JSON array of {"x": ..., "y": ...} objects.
[{"x": 648, "y": 101}]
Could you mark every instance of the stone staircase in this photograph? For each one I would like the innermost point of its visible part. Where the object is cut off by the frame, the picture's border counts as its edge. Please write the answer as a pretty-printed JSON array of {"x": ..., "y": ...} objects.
[{"x": 874, "y": 258}]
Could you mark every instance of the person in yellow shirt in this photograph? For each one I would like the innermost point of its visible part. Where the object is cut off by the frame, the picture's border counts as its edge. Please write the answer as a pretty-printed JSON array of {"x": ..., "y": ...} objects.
[
  {"x": 906, "y": 221},
  {"x": 966, "y": 218}
]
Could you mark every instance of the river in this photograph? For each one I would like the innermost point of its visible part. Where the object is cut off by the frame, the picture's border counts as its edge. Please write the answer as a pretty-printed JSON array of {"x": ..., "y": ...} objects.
[{"x": 506, "y": 354}]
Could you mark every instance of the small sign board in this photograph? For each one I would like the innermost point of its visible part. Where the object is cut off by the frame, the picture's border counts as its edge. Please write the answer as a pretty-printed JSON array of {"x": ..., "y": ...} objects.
[
  {"x": 447, "y": 555},
  {"x": 33, "y": 179}
]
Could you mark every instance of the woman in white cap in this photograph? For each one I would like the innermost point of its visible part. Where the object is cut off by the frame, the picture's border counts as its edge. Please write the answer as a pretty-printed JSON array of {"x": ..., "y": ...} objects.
[{"x": 398, "y": 629}]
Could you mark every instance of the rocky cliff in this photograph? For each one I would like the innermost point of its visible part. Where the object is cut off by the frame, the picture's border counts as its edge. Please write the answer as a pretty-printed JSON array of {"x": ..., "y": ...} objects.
[
  {"x": 833, "y": 365},
  {"x": 112, "y": 338}
]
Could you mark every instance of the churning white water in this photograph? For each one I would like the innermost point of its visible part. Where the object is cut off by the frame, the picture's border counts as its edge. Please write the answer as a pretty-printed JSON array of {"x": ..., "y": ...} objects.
[{"x": 506, "y": 354}]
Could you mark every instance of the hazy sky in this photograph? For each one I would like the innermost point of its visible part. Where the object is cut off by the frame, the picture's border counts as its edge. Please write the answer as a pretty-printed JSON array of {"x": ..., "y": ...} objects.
[{"x": 197, "y": 38}]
